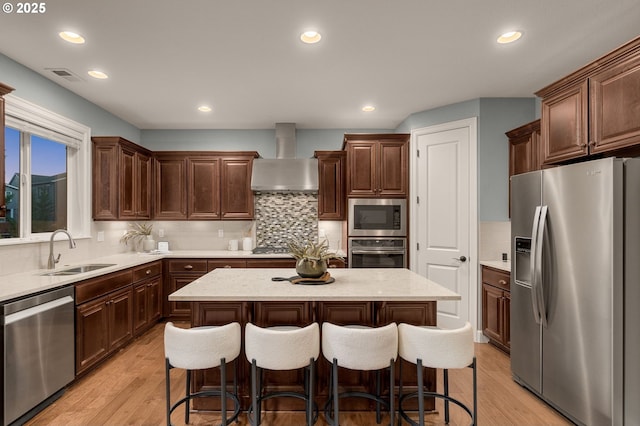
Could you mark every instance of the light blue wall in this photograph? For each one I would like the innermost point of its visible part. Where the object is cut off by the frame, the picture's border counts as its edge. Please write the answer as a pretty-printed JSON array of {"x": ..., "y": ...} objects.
[
  {"x": 263, "y": 141},
  {"x": 495, "y": 117},
  {"x": 34, "y": 88}
]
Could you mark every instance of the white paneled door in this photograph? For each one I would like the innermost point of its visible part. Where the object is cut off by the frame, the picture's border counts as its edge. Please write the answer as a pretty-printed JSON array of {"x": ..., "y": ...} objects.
[{"x": 442, "y": 215}]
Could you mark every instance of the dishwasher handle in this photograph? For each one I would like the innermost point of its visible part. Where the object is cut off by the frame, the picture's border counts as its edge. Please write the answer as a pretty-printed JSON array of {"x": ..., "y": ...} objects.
[{"x": 35, "y": 310}]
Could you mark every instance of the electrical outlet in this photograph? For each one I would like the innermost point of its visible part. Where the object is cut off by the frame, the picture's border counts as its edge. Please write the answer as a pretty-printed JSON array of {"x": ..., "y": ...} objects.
[
  {"x": 220, "y": 233},
  {"x": 160, "y": 232},
  {"x": 100, "y": 237}
]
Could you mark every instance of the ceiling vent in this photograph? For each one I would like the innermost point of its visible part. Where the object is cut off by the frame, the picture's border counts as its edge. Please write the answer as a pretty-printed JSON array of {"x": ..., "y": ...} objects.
[{"x": 66, "y": 74}]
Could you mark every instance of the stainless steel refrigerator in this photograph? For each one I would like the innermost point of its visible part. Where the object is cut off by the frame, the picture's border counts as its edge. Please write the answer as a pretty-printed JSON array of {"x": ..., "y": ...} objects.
[{"x": 575, "y": 289}]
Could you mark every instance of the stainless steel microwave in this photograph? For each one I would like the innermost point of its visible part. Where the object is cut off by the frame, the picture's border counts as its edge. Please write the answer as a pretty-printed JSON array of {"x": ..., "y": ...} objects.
[{"x": 377, "y": 217}]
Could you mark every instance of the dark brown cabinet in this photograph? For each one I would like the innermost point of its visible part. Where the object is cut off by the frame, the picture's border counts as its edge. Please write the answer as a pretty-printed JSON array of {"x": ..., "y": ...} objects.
[
  {"x": 331, "y": 184},
  {"x": 179, "y": 273},
  {"x": 4, "y": 89},
  {"x": 103, "y": 317},
  {"x": 147, "y": 296},
  {"x": 496, "y": 307},
  {"x": 203, "y": 185},
  {"x": 524, "y": 148},
  {"x": 121, "y": 179},
  {"x": 594, "y": 110},
  {"x": 377, "y": 165}
]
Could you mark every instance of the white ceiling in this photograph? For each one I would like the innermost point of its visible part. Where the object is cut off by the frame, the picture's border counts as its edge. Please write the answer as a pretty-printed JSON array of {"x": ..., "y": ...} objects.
[{"x": 244, "y": 57}]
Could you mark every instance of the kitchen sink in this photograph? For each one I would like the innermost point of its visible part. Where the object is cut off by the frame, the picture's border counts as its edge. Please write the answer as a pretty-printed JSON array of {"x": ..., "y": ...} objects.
[{"x": 79, "y": 269}]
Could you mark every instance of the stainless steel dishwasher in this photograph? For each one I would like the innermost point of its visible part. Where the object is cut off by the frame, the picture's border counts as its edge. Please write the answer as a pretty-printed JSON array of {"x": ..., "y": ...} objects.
[{"x": 38, "y": 352}]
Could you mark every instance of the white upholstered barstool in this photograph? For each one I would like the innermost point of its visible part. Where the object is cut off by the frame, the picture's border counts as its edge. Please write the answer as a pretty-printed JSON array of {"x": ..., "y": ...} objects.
[
  {"x": 359, "y": 348},
  {"x": 436, "y": 348},
  {"x": 281, "y": 348},
  {"x": 200, "y": 348}
]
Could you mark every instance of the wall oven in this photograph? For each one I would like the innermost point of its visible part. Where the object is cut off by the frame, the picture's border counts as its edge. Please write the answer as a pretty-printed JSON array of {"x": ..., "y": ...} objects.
[
  {"x": 377, "y": 217},
  {"x": 383, "y": 252}
]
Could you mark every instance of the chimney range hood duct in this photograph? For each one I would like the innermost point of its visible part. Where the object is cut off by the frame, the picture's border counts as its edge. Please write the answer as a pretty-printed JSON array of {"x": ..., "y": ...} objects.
[{"x": 285, "y": 172}]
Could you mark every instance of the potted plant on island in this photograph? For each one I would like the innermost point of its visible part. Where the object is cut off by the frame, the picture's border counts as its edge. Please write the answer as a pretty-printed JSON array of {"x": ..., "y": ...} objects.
[
  {"x": 139, "y": 231},
  {"x": 311, "y": 257}
]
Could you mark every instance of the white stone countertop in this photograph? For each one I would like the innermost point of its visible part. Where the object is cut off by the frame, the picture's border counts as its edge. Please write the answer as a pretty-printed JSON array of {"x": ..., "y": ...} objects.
[
  {"x": 23, "y": 284},
  {"x": 366, "y": 284},
  {"x": 498, "y": 264}
]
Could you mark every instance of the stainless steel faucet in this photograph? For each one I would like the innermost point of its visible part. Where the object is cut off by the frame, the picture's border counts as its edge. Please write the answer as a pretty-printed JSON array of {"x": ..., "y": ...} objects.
[{"x": 72, "y": 244}]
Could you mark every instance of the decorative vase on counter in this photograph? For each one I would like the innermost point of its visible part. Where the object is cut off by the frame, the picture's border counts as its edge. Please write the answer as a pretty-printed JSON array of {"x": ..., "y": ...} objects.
[
  {"x": 311, "y": 268},
  {"x": 148, "y": 244}
]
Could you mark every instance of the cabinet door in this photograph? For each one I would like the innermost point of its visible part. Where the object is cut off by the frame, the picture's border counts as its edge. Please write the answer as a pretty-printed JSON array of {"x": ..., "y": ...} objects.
[
  {"x": 506, "y": 310},
  {"x": 564, "y": 125},
  {"x": 92, "y": 333},
  {"x": 492, "y": 312},
  {"x": 204, "y": 188},
  {"x": 235, "y": 183},
  {"x": 361, "y": 175},
  {"x": 154, "y": 299},
  {"x": 524, "y": 148},
  {"x": 331, "y": 193},
  {"x": 105, "y": 181},
  {"x": 180, "y": 310},
  {"x": 120, "y": 306},
  {"x": 614, "y": 114},
  {"x": 142, "y": 186},
  {"x": 392, "y": 169},
  {"x": 128, "y": 181},
  {"x": 170, "y": 187},
  {"x": 140, "y": 307}
]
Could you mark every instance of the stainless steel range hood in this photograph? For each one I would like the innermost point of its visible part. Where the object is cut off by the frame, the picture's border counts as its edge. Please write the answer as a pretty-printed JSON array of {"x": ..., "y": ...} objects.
[{"x": 285, "y": 172}]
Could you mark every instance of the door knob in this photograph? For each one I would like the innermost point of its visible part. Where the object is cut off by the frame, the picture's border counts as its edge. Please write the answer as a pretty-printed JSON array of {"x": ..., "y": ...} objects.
[{"x": 461, "y": 258}]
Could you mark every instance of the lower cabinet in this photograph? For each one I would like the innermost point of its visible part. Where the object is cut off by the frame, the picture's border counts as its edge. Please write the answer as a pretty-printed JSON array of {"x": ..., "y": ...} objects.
[
  {"x": 496, "y": 307},
  {"x": 147, "y": 296},
  {"x": 103, "y": 325},
  {"x": 112, "y": 309},
  {"x": 302, "y": 313}
]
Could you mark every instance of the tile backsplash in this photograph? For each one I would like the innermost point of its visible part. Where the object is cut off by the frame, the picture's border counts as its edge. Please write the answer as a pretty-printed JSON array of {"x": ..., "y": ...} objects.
[
  {"x": 281, "y": 216},
  {"x": 495, "y": 239}
]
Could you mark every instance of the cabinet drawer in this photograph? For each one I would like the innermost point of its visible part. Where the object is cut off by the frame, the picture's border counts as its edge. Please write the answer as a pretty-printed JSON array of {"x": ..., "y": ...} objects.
[
  {"x": 91, "y": 289},
  {"x": 147, "y": 271},
  {"x": 496, "y": 277},
  {"x": 186, "y": 265},
  {"x": 226, "y": 263}
]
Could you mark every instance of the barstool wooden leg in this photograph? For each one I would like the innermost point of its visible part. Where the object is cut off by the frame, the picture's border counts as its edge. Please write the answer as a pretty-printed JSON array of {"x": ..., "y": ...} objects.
[
  {"x": 336, "y": 410},
  {"x": 223, "y": 391},
  {"x": 445, "y": 375},
  {"x": 168, "y": 390},
  {"x": 187, "y": 407},
  {"x": 420, "y": 393}
]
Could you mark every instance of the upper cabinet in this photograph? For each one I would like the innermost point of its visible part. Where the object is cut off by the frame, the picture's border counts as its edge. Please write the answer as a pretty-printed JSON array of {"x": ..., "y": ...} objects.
[
  {"x": 524, "y": 151},
  {"x": 4, "y": 89},
  {"x": 331, "y": 184},
  {"x": 377, "y": 165},
  {"x": 594, "y": 110},
  {"x": 203, "y": 185},
  {"x": 121, "y": 179}
]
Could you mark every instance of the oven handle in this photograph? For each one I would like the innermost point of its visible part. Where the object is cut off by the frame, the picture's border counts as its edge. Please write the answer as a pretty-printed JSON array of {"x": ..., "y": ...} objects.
[{"x": 377, "y": 252}]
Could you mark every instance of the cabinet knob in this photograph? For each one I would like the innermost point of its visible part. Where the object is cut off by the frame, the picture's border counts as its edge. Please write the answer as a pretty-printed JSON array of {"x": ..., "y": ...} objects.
[
  {"x": 148, "y": 271},
  {"x": 3, "y": 207},
  {"x": 227, "y": 266},
  {"x": 502, "y": 282},
  {"x": 188, "y": 267}
]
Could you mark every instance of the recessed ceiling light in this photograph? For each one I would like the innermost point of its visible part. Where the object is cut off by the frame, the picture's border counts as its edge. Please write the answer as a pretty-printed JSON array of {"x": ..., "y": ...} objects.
[
  {"x": 310, "y": 37},
  {"x": 368, "y": 108},
  {"x": 509, "y": 37},
  {"x": 98, "y": 74},
  {"x": 71, "y": 37},
  {"x": 204, "y": 108}
]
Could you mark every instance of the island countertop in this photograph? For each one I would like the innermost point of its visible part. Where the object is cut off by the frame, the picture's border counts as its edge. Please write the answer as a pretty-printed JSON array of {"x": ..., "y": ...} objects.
[{"x": 362, "y": 284}]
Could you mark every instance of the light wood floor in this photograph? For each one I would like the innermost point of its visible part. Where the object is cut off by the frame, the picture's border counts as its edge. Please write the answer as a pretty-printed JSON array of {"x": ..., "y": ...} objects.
[{"x": 128, "y": 389}]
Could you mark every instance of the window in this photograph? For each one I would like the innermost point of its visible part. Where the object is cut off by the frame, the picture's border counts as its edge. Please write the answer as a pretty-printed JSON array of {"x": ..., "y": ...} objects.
[{"x": 46, "y": 174}]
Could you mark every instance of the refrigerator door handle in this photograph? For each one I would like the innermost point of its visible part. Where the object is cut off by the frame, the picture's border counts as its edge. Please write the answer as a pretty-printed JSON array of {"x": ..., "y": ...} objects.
[
  {"x": 534, "y": 242},
  {"x": 538, "y": 271}
]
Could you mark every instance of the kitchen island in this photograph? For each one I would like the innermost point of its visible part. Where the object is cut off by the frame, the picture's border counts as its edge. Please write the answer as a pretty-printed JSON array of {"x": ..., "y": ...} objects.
[{"x": 369, "y": 297}]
